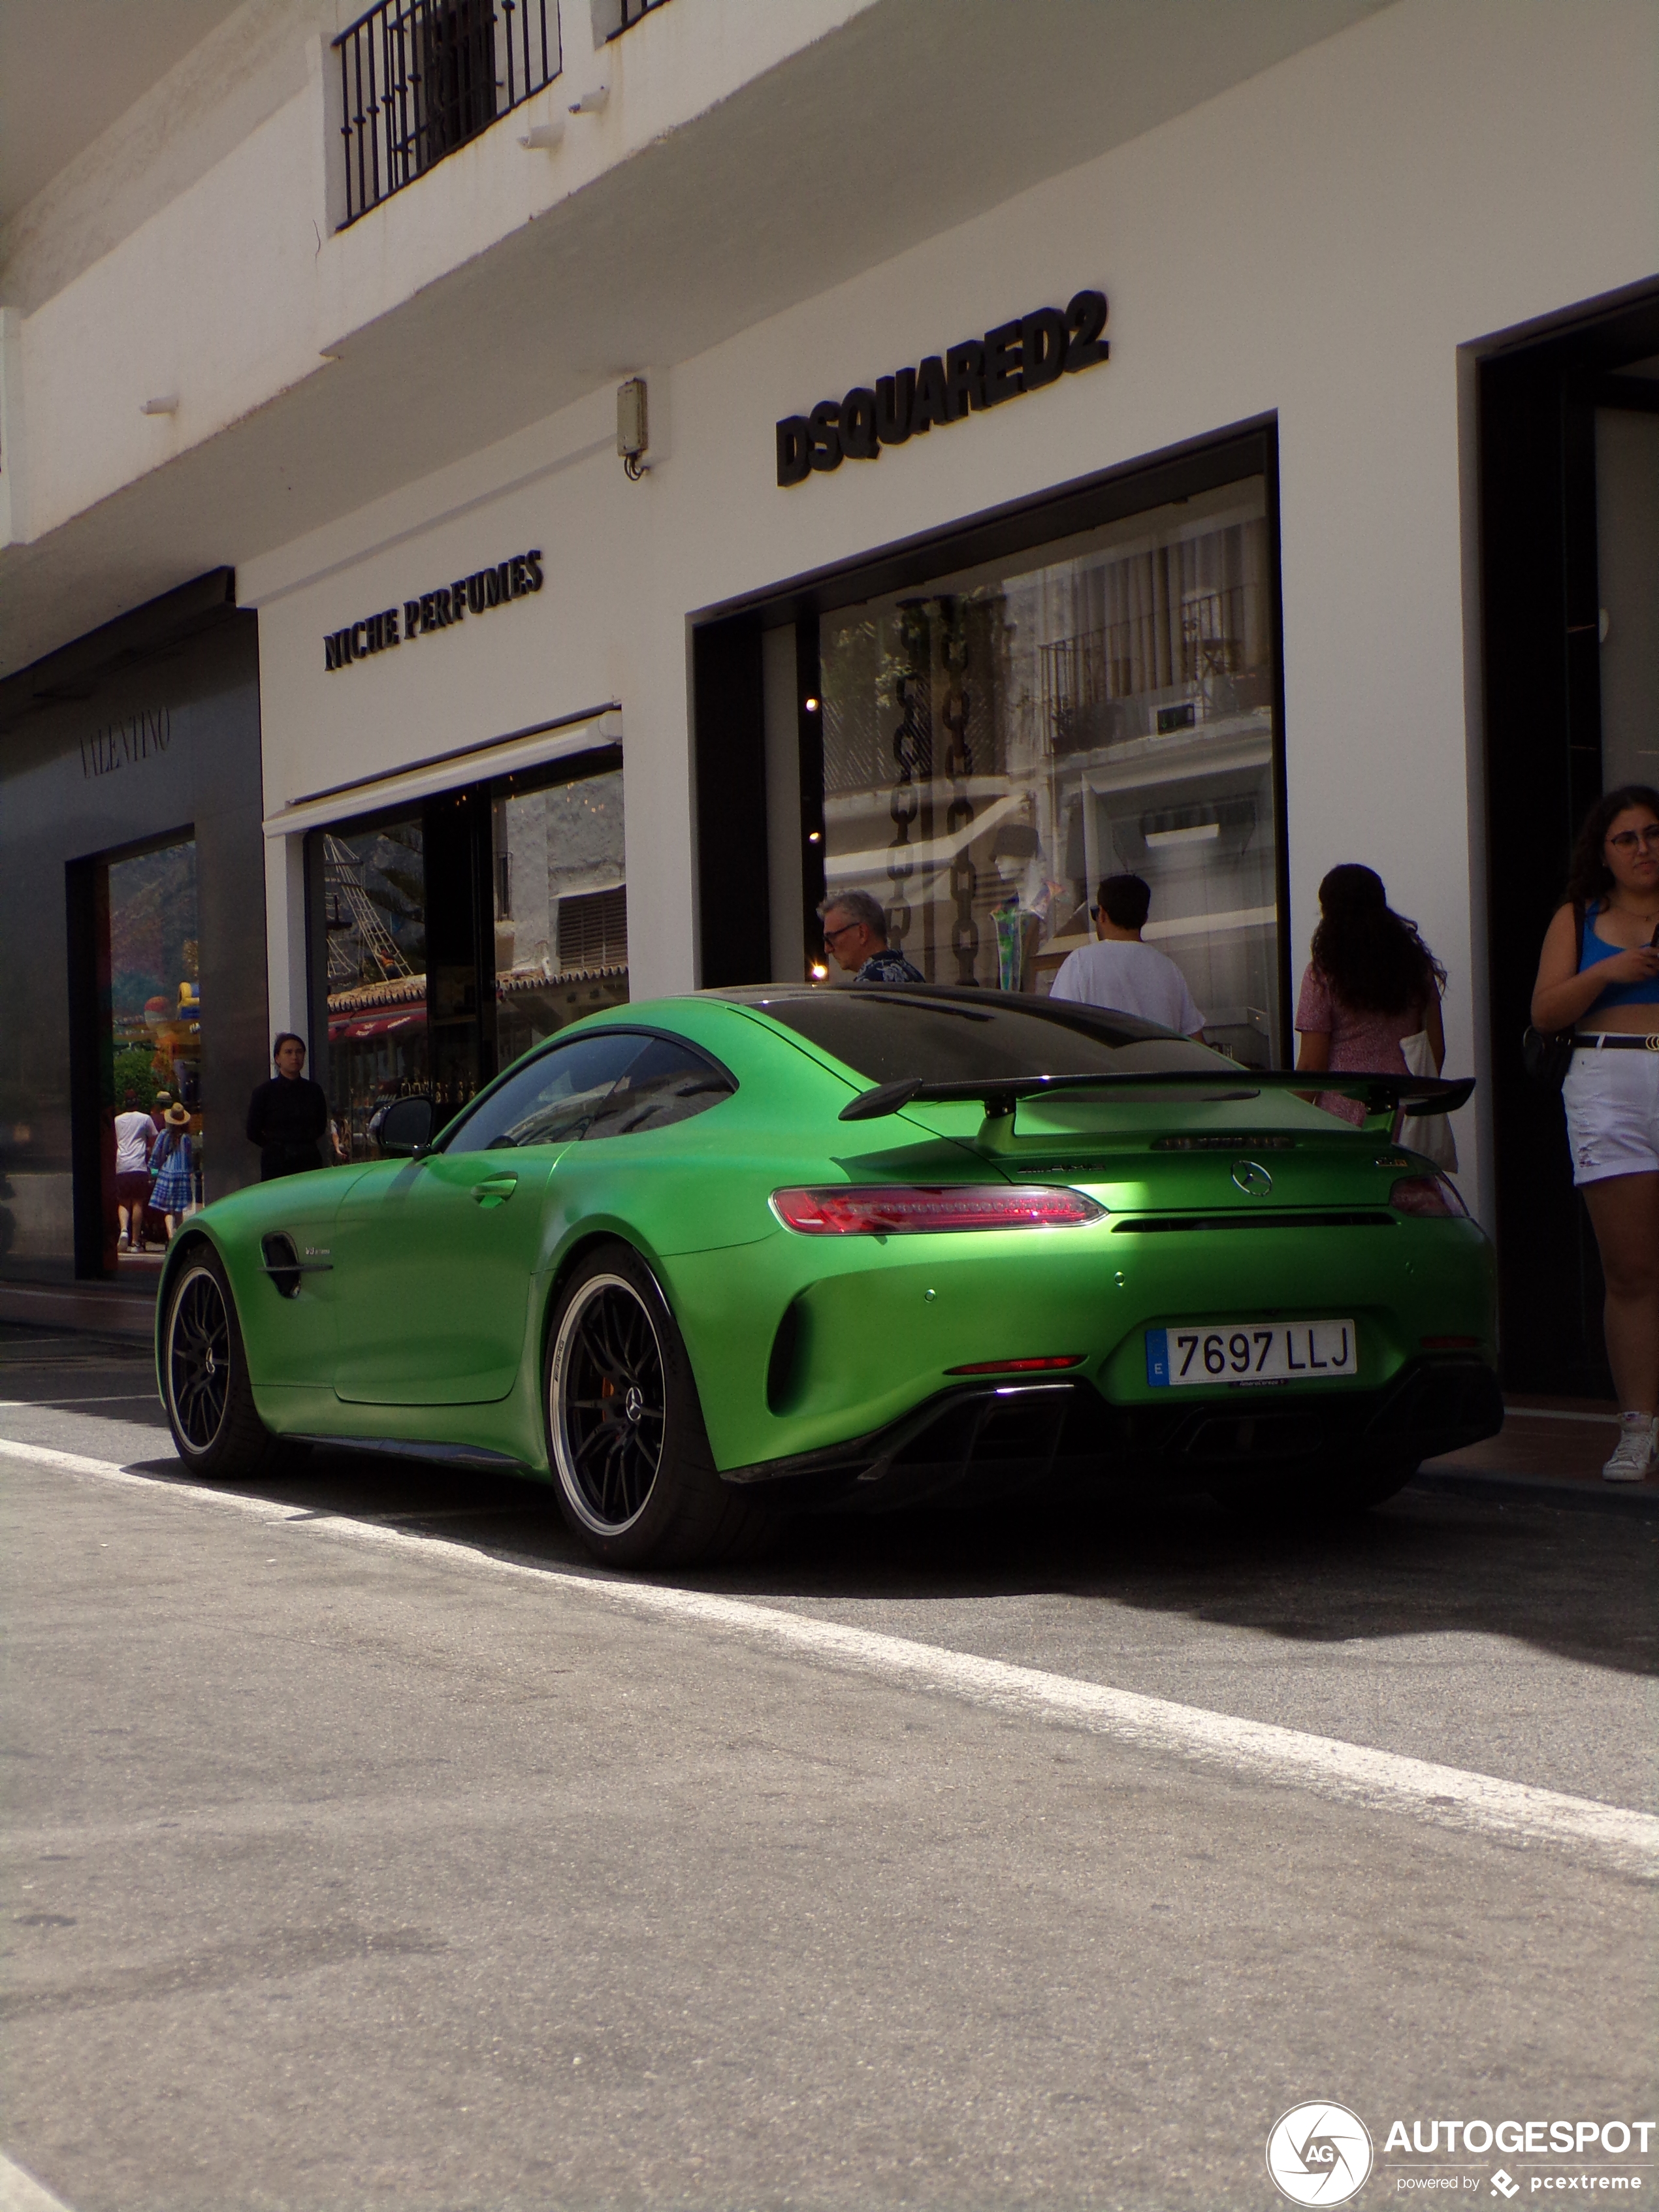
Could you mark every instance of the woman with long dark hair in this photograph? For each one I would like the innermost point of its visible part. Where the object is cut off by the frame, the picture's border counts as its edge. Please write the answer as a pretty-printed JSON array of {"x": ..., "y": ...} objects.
[
  {"x": 1598, "y": 976},
  {"x": 1370, "y": 983}
]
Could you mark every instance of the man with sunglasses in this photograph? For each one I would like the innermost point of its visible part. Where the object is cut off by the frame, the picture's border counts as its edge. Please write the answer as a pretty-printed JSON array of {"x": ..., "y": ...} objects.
[{"x": 855, "y": 937}]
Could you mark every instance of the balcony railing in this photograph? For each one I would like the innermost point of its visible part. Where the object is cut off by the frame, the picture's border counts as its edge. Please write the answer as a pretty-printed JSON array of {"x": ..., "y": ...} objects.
[
  {"x": 420, "y": 77},
  {"x": 628, "y": 12}
]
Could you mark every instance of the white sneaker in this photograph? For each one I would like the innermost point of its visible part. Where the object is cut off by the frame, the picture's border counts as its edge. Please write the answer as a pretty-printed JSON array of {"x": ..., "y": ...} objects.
[{"x": 1636, "y": 1453}]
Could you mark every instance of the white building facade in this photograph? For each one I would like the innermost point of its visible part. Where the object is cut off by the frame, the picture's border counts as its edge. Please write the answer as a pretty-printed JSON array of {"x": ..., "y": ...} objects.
[{"x": 1172, "y": 367}]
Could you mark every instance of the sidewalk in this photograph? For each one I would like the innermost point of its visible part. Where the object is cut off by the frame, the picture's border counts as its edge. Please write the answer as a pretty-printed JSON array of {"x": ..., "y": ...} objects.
[
  {"x": 1550, "y": 1450},
  {"x": 123, "y": 1309}
]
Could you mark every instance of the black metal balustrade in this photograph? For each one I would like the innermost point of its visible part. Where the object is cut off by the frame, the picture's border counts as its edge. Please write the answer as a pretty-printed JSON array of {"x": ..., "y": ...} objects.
[
  {"x": 420, "y": 77},
  {"x": 631, "y": 12}
]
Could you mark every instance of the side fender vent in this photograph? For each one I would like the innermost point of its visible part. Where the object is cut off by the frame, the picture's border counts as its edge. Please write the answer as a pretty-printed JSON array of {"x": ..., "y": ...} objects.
[
  {"x": 281, "y": 1264},
  {"x": 785, "y": 1371}
]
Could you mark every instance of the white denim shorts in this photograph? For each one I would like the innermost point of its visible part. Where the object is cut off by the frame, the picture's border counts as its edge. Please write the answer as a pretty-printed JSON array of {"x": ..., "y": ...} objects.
[{"x": 1612, "y": 1100}]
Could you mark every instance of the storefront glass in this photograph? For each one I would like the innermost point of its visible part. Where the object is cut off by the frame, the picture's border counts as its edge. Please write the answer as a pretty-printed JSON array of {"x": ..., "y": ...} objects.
[
  {"x": 460, "y": 932},
  {"x": 153, "y": 1152},
  {"x": 560, "y": 903},
  {"x": 998, "y": 740},
  {"x": 374, "y": 917}
]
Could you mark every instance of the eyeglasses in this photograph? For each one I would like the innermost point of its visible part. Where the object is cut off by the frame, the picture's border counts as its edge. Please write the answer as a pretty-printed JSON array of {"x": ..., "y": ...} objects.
[
  {"x": 831, "y": 935},
  {"x": 1628, "y": 839}
]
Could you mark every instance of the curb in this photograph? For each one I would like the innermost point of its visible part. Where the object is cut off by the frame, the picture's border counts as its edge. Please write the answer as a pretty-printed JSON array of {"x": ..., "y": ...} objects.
[{"x": 1639, "y": 1498}]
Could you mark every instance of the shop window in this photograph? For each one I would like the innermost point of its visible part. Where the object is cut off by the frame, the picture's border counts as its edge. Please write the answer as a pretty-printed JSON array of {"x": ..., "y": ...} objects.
[
  {"x": 373, "y": 921},
  {"x": 449, "y": 939},
  {"x": 996, "y": 740},
  {"x": 152, "y": 1142},
  {"x": 560, "y": 899}
]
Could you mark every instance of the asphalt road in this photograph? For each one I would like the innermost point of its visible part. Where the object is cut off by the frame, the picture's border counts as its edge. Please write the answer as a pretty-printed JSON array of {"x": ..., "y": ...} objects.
[{"x": 363, "y": 1848}]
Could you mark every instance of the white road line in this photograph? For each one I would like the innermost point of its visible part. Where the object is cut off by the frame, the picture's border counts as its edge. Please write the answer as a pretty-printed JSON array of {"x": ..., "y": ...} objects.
[
  {"x": 21, "y": 2192},
  {"x": 1349, "y": 1773}
]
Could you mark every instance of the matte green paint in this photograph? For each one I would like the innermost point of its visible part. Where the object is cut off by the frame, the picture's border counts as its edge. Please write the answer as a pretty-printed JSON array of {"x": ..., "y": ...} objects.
[{"x": 431, "y": 1324}]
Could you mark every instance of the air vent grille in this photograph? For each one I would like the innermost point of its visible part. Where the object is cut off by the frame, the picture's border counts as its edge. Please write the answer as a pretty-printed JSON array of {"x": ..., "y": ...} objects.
[{"x": 593, "y": 929}]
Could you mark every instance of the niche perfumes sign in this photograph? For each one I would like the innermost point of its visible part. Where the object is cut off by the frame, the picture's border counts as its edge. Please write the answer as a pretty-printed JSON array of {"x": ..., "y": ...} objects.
[
  {"x": 442, "y": 609},
  {"x": 1016, "y": 357}
]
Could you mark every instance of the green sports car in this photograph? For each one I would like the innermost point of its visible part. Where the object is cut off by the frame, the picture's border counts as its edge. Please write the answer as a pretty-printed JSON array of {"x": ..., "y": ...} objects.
[{"x": 697, "y": 1259}]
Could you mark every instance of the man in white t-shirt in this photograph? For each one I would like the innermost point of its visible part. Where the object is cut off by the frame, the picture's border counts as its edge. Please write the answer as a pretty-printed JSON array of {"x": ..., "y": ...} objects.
[
  {"x": 1122, "y": 973},
  {"x": 135, "y": 1134}
]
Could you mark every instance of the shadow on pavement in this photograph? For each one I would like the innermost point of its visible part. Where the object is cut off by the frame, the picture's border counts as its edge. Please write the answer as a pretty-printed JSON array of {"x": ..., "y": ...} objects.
[{"x": 1580, "y": 1586}]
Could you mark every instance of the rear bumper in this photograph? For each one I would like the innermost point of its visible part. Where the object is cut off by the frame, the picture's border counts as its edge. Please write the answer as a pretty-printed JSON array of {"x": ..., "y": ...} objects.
[{"x": 983, "y": 1441}]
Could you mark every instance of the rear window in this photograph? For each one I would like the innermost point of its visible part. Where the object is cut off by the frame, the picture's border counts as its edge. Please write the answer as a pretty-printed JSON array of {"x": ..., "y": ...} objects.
[{"x": 888, "y": 1037}]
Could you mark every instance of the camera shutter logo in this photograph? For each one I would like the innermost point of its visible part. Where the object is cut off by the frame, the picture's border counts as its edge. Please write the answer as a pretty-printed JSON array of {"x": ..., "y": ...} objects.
[{"x": 1319, "y": 2153}]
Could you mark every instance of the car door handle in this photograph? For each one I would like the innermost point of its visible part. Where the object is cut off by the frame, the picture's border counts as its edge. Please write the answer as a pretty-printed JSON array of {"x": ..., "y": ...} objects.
[{"x": 495, "y": 1190}]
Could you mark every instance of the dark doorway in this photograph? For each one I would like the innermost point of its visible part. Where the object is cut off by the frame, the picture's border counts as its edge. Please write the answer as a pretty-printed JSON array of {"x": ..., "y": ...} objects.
[{"x": 1569, "y": 532}]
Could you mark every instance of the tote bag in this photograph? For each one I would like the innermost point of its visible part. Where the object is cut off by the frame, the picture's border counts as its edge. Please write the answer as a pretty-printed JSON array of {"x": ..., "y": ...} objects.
[{"x": 1428, "y": 1133}]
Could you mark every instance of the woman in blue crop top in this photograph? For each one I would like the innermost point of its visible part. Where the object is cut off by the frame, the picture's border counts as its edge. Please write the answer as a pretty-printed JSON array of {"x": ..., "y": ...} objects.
[{"x": 1604, "y": 986}]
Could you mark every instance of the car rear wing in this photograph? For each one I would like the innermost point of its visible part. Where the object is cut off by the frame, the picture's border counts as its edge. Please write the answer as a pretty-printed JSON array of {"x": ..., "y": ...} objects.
[{"x": 1380, "y": 1095}]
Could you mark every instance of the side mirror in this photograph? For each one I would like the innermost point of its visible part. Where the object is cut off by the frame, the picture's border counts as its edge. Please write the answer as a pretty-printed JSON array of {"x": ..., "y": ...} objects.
[{"x": 406, "y": 1127}]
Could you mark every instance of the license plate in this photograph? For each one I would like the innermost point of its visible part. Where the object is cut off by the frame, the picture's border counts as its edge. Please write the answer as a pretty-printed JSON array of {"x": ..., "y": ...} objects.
[{"x": 1251, "y": 1351}]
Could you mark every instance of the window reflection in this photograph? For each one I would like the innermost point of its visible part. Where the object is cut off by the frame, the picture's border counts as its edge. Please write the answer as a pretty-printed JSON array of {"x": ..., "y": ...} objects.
[
  {"x": 154, "y": 1150},
  {"x": 561, "y": 904},
  {"x": 460, "y": 934},
  {"x": 374, "y": 919},
  {"x": 997, "y": 742}
]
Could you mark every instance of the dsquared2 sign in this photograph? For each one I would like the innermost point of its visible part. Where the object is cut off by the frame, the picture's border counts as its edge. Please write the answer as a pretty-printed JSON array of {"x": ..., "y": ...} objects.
[{"x": 1020, "y": 356}]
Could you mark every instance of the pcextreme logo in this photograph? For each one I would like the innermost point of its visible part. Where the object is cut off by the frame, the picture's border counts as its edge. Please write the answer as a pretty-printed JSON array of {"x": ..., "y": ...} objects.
[{"x": 1319, "y": 2153}]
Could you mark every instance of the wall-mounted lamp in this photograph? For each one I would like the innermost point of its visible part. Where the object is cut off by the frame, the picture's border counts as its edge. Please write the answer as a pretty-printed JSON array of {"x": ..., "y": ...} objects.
[
  {"x": 545, "y": 137},
  {"x": 592, "y": 101},
  {"x": 633, "y": 427},
  {"x": 167, "y": 405}
]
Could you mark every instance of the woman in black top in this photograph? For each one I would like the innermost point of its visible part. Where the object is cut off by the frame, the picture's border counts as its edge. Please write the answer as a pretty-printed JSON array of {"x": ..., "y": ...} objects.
[{"x": 287, "y": 1116}]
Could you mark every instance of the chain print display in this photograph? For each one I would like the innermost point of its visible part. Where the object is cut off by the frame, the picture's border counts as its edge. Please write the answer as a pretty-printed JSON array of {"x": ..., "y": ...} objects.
[
  {"x": 959, "y": 766},
  {"x": 905, "y": 804}
]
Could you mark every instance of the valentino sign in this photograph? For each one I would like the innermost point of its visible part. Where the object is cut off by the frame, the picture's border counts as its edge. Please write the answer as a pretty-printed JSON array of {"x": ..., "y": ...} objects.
[
  {"x": 441, "y": 609},
  {"x": 1020, "y": 356}
]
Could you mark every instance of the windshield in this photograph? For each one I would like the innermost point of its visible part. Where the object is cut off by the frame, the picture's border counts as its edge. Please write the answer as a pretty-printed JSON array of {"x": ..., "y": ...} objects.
[{"x": 889, "y": 1036}]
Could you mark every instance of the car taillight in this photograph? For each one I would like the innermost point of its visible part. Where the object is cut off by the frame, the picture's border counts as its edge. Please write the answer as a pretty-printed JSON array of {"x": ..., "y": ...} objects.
[
  {"x": 899, "y": 1210},
  {"x": 1430, "y": 1194}
]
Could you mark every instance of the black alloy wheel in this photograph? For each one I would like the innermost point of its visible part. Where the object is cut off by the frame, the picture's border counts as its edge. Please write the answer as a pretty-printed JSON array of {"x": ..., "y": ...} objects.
[
  {"x": 204, "y": 1377},
  {"x": 612, "y": 1408},
  {"x": 629, "y": 1453},
  {"x": 198, "y": 1360}
]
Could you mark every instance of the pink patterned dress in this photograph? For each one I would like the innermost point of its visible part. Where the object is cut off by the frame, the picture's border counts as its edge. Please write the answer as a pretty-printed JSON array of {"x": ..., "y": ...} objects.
[{"x": 1361, "y": 1043}]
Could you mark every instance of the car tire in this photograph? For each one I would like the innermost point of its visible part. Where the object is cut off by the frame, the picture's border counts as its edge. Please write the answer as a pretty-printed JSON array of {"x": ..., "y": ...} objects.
[
  {"x": 1321, "y": 1494},
  {"x": 631, "y": 1462},
  {"x": 204, "y": 1377}
]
